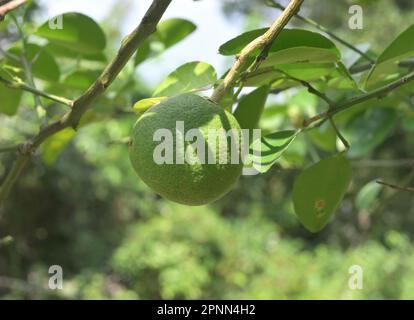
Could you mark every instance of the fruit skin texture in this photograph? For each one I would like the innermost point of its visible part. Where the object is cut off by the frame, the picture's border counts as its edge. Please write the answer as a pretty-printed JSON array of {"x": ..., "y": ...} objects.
[{"x": 189, "y": 184}]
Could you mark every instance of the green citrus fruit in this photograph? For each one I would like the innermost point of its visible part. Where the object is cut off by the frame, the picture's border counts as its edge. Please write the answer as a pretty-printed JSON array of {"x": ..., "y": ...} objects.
[{"x": 177, "y": 151}]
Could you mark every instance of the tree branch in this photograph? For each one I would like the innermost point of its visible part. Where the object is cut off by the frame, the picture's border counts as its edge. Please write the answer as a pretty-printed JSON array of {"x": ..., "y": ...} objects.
[
  {"x": 19, "y": 85},
  {"x": 409, "y": 63},
  {"x": 83, "y": 103},
  {"x": 259, "y": 43},
  {"x": 364, "y": 97},
  {"x": 329, "y": 102},
  {"x": 9, "y": 6}
]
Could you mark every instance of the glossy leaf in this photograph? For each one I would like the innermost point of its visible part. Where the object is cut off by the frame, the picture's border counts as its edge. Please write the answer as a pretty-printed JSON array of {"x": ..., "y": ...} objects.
[
  {"x": 79, "y": 33},
  {"x": 319, "y": 189},
  {"x": 267, "y": 150},
  {"x": 191, "y": 76}
]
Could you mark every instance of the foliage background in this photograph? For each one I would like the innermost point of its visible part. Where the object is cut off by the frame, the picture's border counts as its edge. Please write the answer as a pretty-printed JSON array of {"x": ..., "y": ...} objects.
[{"x": 84, "y": 208}]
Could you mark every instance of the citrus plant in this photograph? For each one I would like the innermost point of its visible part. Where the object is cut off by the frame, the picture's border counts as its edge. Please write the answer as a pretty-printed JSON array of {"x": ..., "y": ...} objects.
[{"x": 349, "y": 98}]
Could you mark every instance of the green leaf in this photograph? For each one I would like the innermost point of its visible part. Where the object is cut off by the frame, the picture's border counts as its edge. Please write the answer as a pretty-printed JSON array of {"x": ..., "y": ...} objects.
[
  {"x": 250, "y": 108},
  {"x": 292, "y": 46},
  {"x": 191, "y": 76},
  {"x": 143, "y": 105},
  {"x": 63, "y": 52},
  {"x": 387, "y": 63},
  {"x": 53, "y": 145},
  {"x": 44, "y": 65},
  {"x": 344, "y": 79},
  {"x": 236, "y": 45},
  {"x": 9, "y": 100},
  {"x": 169, "y": 33},
  {"x": 143, "y": 52},
  {"x": 81, "y": 79},
  {"x": 79, "y": 33},
  {"x": 308, "y": 71},
  {"x": 407, "y": 121},
  {"x": 267, "y": 150},
  {"x": 368, "y": 129},
  {"x": 324, "y": 137},
  {"x": 367, "y": 196},
  {"x": 276, "y": 75},
  {"x": 172, "y": 31},
  {"x": 319, "y": 189}
]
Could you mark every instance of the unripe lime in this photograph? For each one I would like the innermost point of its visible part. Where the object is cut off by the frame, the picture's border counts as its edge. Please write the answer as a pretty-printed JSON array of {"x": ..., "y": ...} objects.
[{"x": 163, "y": 164}]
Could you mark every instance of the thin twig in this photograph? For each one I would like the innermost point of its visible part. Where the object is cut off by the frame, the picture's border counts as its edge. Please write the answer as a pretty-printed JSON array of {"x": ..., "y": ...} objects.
[
  {"x": 27, "y": 66},
  {"x": 324, "y": 30},
  {"x": 9, "y": 6},
  {"x": 380, "y": 92},
  {"x": 393, "y": 186},
  {"x": 409, "y": 63},
  {"x": 19, "y": 85},
  {"x": 83, "y": 103},
  {"x": 324, "y": 97},
  {"x": 259, "y": 43}
]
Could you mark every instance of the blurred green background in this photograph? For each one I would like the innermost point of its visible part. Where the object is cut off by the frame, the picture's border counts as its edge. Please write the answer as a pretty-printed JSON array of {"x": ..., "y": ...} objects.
[{"x": 84, "y": 208}]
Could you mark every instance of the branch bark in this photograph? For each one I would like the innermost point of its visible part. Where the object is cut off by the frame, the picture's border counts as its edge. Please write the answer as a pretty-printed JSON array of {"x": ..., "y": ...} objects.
[
  {"x": 259, "y": 43},
  {"x": 128, "y": 47},
  {"x": 9, "y": 6}
]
